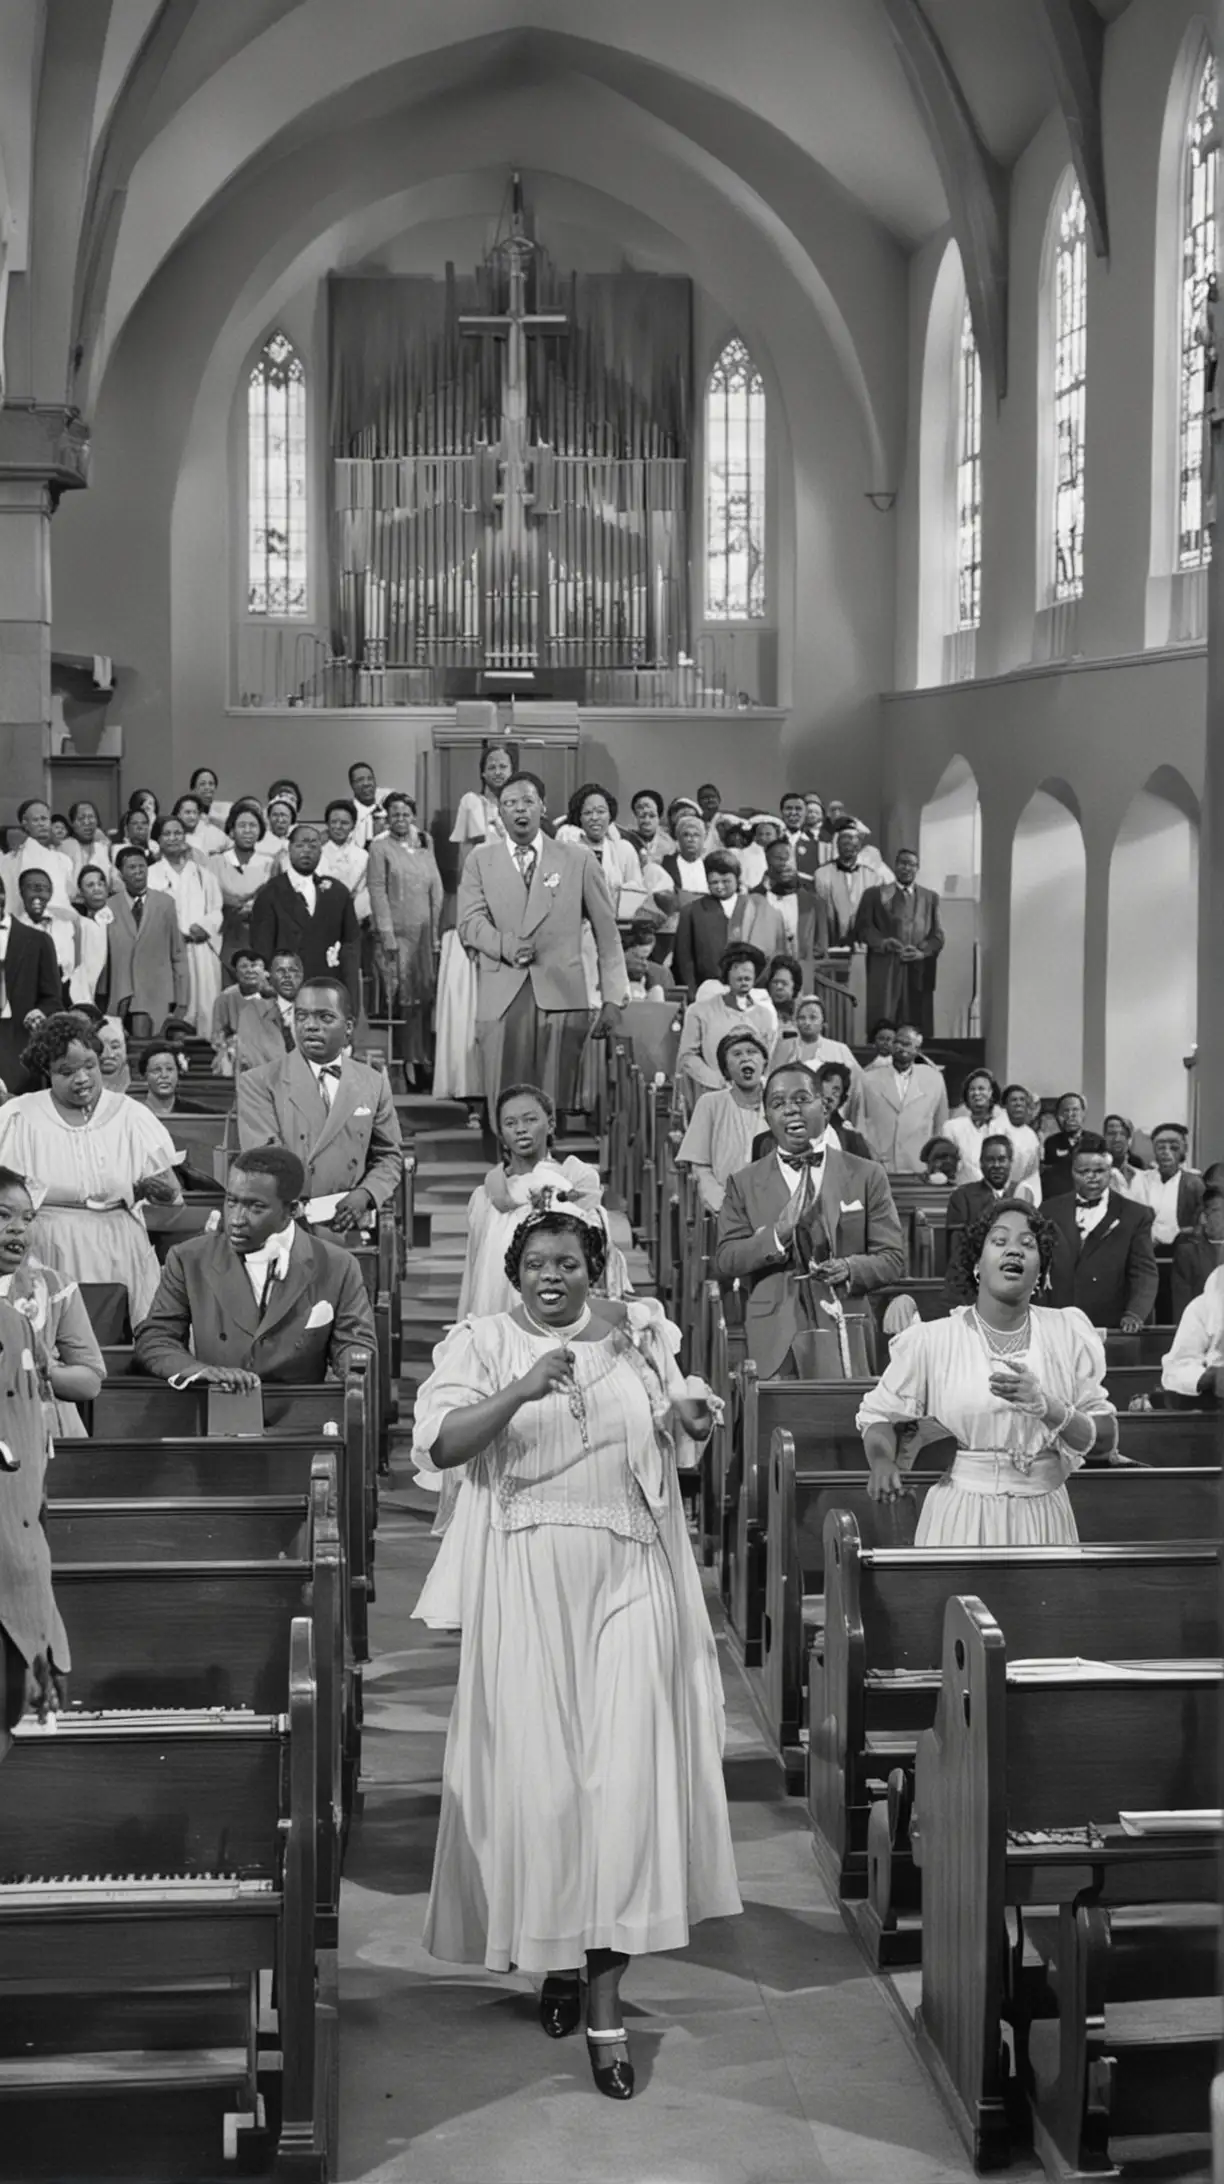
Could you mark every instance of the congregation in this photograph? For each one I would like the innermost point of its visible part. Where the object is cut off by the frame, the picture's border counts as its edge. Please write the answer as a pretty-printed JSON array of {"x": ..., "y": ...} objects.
[{"x": 872, "y": 1211}]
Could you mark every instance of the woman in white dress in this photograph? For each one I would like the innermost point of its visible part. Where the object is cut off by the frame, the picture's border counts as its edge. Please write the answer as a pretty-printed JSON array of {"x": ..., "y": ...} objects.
[
  {"x": 980, "y": 1115},
  {"x": 584, "y": 1816},
  {"x": 87, "y": 844},
  {"x": 1017, "y": 1113},
  {"x": 1018, "y": 1386},
  {"x": 205, "y": 839},
  {"x": 279, "y": 815},
  {"x": 91, "y": 1155},
  {"x": 528, "y": 1176},
  {"x": 196, "y": 897},
  {"x": 70, "y": 1364},
  {"x": 456, "y": 1074}
]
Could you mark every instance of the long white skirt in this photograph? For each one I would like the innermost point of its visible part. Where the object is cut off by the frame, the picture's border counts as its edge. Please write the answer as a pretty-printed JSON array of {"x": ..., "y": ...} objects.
[
  {"x": 203, "y": 985},
  {"x": 979, "y": 1504},
  {"x": 583, "y": 1804},
  {"x": 456, "y": 1060}
]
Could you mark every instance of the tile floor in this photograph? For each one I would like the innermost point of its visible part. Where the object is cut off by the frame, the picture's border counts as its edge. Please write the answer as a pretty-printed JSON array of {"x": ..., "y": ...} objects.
[{"x": 765, "y": 2053}]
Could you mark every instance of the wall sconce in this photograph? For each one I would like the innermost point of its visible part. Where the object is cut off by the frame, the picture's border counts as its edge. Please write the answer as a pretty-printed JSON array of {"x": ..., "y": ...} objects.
[{"x": 883, "y": 503}]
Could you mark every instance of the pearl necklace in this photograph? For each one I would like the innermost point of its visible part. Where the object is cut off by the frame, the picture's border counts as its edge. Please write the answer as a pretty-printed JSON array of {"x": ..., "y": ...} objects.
[
  {"x": 1001, "y": 1345},
  {"x": 559, "y": 1334}
]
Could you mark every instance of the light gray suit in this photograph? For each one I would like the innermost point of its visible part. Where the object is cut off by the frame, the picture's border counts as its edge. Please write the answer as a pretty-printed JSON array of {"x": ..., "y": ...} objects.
[
  {"x": 531, "y": 1020},
  {"x": 354, "y": 1145},
  {"x": 148, "y": 963}
]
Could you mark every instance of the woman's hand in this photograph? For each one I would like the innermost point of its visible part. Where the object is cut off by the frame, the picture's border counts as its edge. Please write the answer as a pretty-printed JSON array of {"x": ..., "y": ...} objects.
[
  {"x": 550, "y": 1373},
  {"x": 884, "y": 1482},
  {"x": 1018, "y": 1385},
  {"x": 197, "y": 932},
  {"x": 44, "y": 1688},
  {"x": 162, "y": 1189}
]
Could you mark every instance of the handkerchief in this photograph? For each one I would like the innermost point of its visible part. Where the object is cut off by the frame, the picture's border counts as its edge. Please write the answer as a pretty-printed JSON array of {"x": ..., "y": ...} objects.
[
  {"x": 853, "y": 1205},
  {"x": 321, "y": 1314}
]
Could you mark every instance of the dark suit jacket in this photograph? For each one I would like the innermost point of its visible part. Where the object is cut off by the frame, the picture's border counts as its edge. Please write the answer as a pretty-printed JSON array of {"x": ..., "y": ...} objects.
[
  {"x": 1194, "y": 1258},
  {"x": 705, "y": 932},
  {"x": 1109, "y": 1272},
  {"x": 860, "y": 1223},
  {"x": 147, "y": 963},
  {"x": 205, "y": 1313},
  {"x": 282, "y": 925},
  {"x": 354, "y": 1144},
  {"x": 31, "y": 981}
]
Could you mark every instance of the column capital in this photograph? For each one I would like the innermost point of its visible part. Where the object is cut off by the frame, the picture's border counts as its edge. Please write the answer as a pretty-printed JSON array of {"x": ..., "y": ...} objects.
[{"x": 43, "y": 443}]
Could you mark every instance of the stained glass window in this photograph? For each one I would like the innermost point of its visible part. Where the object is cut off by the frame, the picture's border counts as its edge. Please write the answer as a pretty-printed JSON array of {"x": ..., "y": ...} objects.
[
  {"x": 968, "y": 478},
  {"x": 276, "y": 481},
  {"x": 1197, "y": 271},
  {"x": 1070, "y": 386},
  {"x": 735, "y": 488}
]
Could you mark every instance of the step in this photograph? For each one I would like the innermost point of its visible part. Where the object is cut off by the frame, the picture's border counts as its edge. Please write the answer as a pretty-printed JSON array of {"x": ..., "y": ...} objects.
[{"x": 421, "y": 1111}]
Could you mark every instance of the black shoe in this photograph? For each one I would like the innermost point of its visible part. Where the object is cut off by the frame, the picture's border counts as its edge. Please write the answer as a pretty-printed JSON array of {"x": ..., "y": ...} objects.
[
  {"x": 613, "y": 2078},
  {"x": 560, "y": 2005}
]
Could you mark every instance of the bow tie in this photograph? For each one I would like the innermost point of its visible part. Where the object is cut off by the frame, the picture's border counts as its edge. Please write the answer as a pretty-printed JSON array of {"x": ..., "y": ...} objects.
[
  {"x": 330, "y": 1069},
  {"x": 804, "y": 1160},
  {"x": 1085, "y": 1212}
]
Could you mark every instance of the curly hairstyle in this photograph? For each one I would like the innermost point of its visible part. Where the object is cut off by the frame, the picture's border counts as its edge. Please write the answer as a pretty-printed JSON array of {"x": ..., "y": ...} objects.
[
  {"x": 986, "y": 1076},
  {"x": 52, "y": 1040},
  {"x": 555, "y": 1221},
  {"x": 245, "y": 805},
  {"x": 579, "y": 797},
  {"x": 971, "y": 1242},
  {"x": 497, "y": 743},
  {"x": 792, "y": 965}
]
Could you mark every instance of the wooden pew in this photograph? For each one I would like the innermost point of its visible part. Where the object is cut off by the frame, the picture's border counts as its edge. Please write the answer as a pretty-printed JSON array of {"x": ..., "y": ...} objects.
[
  {"x": 874, "y": 1679},
  {"x": 132, "y": 1408},
  {"x": 159, "y": 1854},
  {"x": 1019, "y": 1786},
  {"x": 190, "y": 1630}
]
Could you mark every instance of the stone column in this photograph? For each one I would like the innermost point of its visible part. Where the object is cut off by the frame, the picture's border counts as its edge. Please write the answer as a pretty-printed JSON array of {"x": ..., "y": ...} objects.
[{"x": 44, "y": 451}]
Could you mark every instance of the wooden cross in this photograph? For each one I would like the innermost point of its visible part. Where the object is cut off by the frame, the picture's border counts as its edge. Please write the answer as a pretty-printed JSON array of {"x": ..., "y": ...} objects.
[{"x": 512, "y": 579}]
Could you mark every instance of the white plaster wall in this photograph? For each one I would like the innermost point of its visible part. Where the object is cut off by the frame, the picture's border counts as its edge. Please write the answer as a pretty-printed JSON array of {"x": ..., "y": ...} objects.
[
  {"x": 1045, "y": 1045},
  {"x": 1153, "y": 904}
]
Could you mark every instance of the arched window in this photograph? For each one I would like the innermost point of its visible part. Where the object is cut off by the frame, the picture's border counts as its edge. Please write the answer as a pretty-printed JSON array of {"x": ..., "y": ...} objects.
[
  {"x": 1198, "y": 265},
  {"x": 1069, "y": 329},
  {"x": 735, "y": 488},
  {"x": 276, "y": 482},
  {"x": 968, "y": 478}
]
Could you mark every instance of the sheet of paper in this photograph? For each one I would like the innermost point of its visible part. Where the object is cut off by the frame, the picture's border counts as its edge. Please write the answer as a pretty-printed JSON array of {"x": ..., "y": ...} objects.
[{"x": 323, "y": 1209}]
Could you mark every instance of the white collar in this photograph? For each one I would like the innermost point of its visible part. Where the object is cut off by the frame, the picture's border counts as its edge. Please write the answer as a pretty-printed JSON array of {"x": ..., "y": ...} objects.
[
  {"x": 303, "y": 883},
  {"x": 524, "y": 849},
  {"x": 275, "y": 1251},
  {"x": 317, "y": 1068}
]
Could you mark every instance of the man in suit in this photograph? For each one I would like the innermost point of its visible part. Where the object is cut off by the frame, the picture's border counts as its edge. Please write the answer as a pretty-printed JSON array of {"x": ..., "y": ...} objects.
[
  {"x": 260, "y": 1300},
  {"x": 30, "y": 990},
  {"x": 1103, "y": 1256},
  {"x": 805, "y": 860},
  {"x": 148, "y": 963},
  {"x": 899, "y": 926},
  {"x": 336, "y": 1114},
  {"x": 296, "y": 914},
  {"x": 522, "y": 901},
  {"x": 802, "y": 1228},
  {"x": 901, "y": 1106},
  {"x": 708, "y": 925},
  {"x": 969, "y": 1201},
  {"x": 685, "y": 865},
  {"x": 265, "y": 1021},
  {"x": 1172, "y": 1190},
  {"x": 1199, "y": 1253}
]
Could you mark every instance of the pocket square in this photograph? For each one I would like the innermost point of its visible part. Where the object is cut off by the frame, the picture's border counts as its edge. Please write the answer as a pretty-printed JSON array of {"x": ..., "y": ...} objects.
[
  {"x": 853, "y": 1205},
  {"x": 362, "y": 1111},
  {"x": 321, "y": 1314}
]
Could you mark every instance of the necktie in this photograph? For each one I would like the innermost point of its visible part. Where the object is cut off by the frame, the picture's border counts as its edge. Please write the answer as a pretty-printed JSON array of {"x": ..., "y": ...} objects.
[
  {"x": 265, "y": 1293},
  {"x": 138, "y": 903},
  {"x": 287, "y": 1034},
  {"x": 329, "y": 1078},
  {"x": 525, "y": 859}
]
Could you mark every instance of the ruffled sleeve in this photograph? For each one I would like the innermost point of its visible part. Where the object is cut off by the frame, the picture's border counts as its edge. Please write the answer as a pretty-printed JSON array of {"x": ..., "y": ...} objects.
[
  {"x": 1087, "y": 1363},
  {"x": 902, "y": 1393},
  {"x": 463, "y": 1373},
  {"x": 152, "y": 1144}
]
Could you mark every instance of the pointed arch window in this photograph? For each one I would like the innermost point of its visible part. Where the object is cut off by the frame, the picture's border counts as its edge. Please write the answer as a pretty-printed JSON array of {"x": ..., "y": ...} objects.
[
  {"x": 1069, "y": 383},
  {"x": 1200, "y": 184},
  {"x": 276, "y": 482},
  {"x": 968, "y": 477},
  {"x": 735, "y": 488}
]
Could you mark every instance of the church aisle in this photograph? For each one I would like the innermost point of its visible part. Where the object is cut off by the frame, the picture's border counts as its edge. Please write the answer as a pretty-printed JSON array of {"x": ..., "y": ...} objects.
[{"x": 765, "y": 2053}]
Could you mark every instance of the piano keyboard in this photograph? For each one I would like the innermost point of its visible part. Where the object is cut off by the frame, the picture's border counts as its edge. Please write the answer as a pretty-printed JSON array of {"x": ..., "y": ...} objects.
[
  {"x": 152, "y": 1721},
  {"x": 70, "y": 1890}
]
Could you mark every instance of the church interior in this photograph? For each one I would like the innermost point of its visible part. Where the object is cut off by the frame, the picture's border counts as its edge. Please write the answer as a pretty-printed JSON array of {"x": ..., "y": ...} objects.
[{"x": 819, "y": 397}]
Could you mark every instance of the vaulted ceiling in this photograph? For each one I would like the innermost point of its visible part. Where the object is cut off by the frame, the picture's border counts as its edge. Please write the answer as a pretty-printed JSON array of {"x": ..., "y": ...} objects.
[{"x": 784, "y": 105}]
